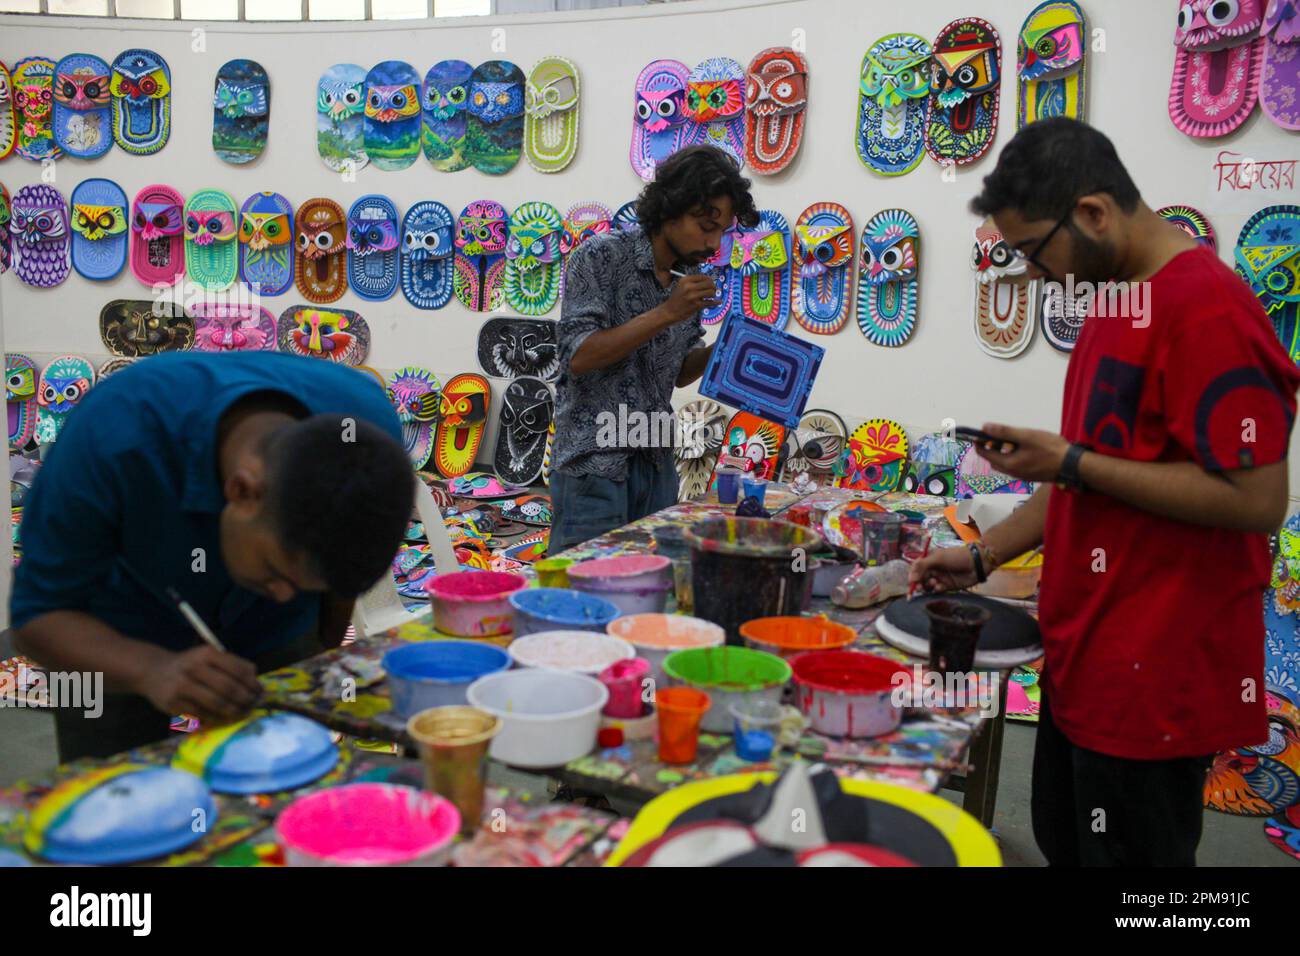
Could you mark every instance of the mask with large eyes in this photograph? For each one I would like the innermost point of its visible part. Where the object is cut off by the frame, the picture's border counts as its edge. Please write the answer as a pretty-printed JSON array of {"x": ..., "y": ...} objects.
[
  {"x": 708, "y": 100},
  {"x": 482, "y": 229},
  {"x": 323, "y": 332},
  {"x": 63, "y": 383},
  {"x": 779, "y": 88},
  {"x": 20, "y": 383},
  {"x": 444, "y": 104},
  {"x": 422, "y": 244},
  {"x": 894, "y": 76},
  {"x": 151, "y": 84},
  {"x": 367, "y": 236},
  {"x": 527, "y": 408},
  {"x": 457, "y": 409},
  {"x": 82, "y": 91},
  {"x": 203, "y": 227},
  {"x": 964, "y": 65},
  {"x": 34, "y": 101},
  {"x": 661, "y": 96},
  {"x": 414, "y": 393},
  {"x": 316, "y": 239},
  {"x": 1207, "y": 25},
  {"x": 582, "y": 222},
  {"x": 387, "y": 104},
  {"x": 231, "y": 332},
  {"x": 236, "y": 100},
  {"x": 493, "y": 102},
  {"x": 156, "y": 220},
  {"x": 98, "y": 222},
  {"x": 993, "y": 259},
  {"x": 534, "y": 236},
  {"x": 759, "y": 251},
  {"x": 35, "y": 224},
  {"x": 1051, "y": 43},
  {"x": 889, "y": 249},
  {"x": 262, "y": 230},
  {"x": 339, "y": 101},
  {"x": 823, "y": 247}
]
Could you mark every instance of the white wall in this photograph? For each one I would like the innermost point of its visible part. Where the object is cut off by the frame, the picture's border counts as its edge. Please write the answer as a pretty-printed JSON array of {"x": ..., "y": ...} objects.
[{"x": 939, "y": 374}]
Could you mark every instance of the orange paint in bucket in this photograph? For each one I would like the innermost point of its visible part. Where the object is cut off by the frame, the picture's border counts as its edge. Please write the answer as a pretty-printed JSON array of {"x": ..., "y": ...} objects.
[{"x": 788, "y": 636}]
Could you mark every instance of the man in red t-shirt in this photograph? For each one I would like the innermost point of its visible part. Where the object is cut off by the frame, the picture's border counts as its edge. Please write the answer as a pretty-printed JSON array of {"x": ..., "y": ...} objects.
[{"x": 1157, "y": 497}]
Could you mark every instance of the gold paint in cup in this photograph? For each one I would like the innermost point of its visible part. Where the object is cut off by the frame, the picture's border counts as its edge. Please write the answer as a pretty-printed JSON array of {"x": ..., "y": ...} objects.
[{"x": 453, "y": 744}]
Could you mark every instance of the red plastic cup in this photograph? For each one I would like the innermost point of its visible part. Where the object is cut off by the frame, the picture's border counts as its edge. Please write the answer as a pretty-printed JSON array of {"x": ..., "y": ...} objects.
[{"x": 680, "y": 710}]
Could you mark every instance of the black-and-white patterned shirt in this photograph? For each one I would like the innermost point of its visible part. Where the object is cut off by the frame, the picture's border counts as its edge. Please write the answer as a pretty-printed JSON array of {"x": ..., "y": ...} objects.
[{"x": 609, "y": 280}]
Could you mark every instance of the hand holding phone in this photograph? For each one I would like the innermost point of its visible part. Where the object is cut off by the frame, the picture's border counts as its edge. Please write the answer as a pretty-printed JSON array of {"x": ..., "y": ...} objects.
[{"x": 983, "y": 439}]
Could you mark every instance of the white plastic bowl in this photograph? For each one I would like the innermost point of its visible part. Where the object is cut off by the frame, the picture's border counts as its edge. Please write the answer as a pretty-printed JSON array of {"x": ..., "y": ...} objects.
[
  {"x": 548, "y": 717},
  {"x": 582, "y": 652}
]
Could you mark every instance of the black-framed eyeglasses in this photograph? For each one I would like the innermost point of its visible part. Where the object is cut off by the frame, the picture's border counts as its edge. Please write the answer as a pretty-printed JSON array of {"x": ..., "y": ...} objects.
[{"x": 1032, "y": 257}]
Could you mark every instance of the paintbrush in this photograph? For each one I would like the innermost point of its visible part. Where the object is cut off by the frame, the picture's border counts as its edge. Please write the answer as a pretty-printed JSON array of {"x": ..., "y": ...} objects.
[{"x": 196, "y": 622}]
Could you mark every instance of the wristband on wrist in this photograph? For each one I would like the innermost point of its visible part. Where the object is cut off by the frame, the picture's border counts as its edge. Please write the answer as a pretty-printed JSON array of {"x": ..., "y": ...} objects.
[
  {"x": 1068, "y": 477},
  {"x": 978, "y": 561}
]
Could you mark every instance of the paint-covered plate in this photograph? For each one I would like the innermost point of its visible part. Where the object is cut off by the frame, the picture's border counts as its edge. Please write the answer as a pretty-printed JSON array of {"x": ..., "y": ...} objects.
[
  {"x": 120, "y": 814},
  {"x": 264, "y": 753}
]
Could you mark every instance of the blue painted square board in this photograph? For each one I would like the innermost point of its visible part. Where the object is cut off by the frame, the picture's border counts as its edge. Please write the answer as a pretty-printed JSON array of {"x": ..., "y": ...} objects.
[{"x": 762, "y": 370}]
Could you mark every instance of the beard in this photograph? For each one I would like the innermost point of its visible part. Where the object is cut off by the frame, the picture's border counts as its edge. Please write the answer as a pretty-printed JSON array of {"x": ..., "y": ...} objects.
[{"x": 1092, "y": 261}]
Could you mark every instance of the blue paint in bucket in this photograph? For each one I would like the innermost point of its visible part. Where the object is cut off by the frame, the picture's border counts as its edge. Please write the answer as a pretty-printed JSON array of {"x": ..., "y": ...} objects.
[
  {"x": 437, "y": 673},
  {"x": 560, "y": 609}
]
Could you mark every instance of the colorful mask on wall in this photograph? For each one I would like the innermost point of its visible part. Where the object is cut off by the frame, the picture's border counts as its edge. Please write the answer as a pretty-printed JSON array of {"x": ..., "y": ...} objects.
[
  {"x": 1268, "y": 259},
  {"x": 415, "y": 393},
  {"x": 337, "y": 335},
  {"x": 715, "y": 106},
  {"x": 340, "y": 117},
  {"x": 625, "y": 217},
  {"x": 99, "y": 229},
  {"x": 320, "y": 251},
  {"x": 932, "y": 469},
  {"x": 64, "y": 382},
  {"x": 211, "y": 252},
  {"x": 1063, "y": 317},
  {"x": 142, "y": 106},
  {"x": 510, "y": 348},
  {"x": 1006, "y": 301},
  {"x": 83, "y": 114},
  {"x": 38, "y": 229},
  {"x": 482, "y": 230},
  {"x": 888, "y": 283},
  {"x": 975, "y": 476},
  {"x": 33, "y": 82},
  {"x": 233, "y": 328},
  {"x": 6, "y": 248},
  {"x": 372, "y": 248},
  {"x": 266, "y": 243},
  {"x": 822, "y": 299},
  {"x": 659, "y": 121},
  {"x": 964, "y": 86},
  {"x": 820, "y": 441},
  {"x": 494, "y": 131},
  {"x": 533, "y": 259},
  {"x": 581, "y": 222},
  {"x": 20, "y": 399},
  {"x": 1191, "y": 221},
  {"x": 1281, "y": 70},
  {"x": 241, "y": 111},
  {"x": 760, "y": 260},
  {"x": 894, "y": 104},
  {"x": 751, "y": 444},
  {"x": 762, "y": 370},
  {"x": 527, "y": 410},
  {"x": 8, "y": 128},
  {"x": 1052, "y": 61},
  {"x": 776, "y": 97},
  {"x": 426, "y": 266},
  {"x": 462, "y": 416},
  {"x": 877, "y": 456},
  {"x": 701, "y": 426},
  {"x": 445, "y": 104},
  {"x": 725, "y": 280},
  {"x": 551, "y": 115},
  {"x": 1281, "y": 612},
  {"x": 1217, "y": 65},
  {"x": 157, "y": 235},
  {"x": 392, "y": 123},
  {"x": 134, "y": 328}
]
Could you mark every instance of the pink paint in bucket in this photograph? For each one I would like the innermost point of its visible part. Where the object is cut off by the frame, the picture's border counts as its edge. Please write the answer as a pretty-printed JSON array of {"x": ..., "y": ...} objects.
[
  {"x": 622, "y": 572},
  {"x": 473, "y": 603},
  {"x": 625, "y": 681},
  {"x": 368, "y": 824}
]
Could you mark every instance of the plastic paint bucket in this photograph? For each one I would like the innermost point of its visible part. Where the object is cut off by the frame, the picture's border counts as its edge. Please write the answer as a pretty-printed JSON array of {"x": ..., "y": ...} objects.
[
  {"x": 368, "y": 824},
  {"x": 728, "y": 486},
  {"x": 453, "y": 745},
  {"x": 579, "y": 651},
  {"x": 623, "y": 571},
  {"x": 548, "y": 717},
  {"x": 473, "y": 603},
  {"x": 559, "y": 609},
  {"x": 626, "y": 682},
  {"x": 655, "y": 636},
  {"x": 681, "y": 710},
  {"x": 754, "y": 488},
  {"x": 437, "y": 673},
  {"x": 729, "y": 675},
  {"x": 848, "y": 693},
  {"x": 553, "y": 572},
  {"x": 743, "y": 568},
  {"x": 787, "y": 636}
]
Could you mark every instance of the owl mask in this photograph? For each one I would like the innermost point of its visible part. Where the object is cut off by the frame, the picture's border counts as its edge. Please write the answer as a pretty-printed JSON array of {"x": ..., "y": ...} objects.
[
  {"x": 33, "y": 99},
  {"x": 494, "y": 133},
  {"x": 462, "y": 417},
  {"x": 38, "y": 230},
  {"x": 1280, "y": 73},
  {"x": 510, "y": 348},
  {"x": 715, "y": 106},
  {"x": 336, "y": 335},
  {"x": 99, "y": 229},
  {"x": 141, "y": 88},
  {"x": 751, "y": 444},
  {"x": 1006, "y": 302},
  {"x": 392, "y": 120},
  {"x": 414, "y": 393},
  {"x": 445, "y": 101},
  {"x": 527, "y": 411},
  {"x": 8, "y": 129},
  {"x": 725, "y": 280},
  {"x": 20, "y": 399},
  {"x": 887, "y": 277},
  {"x": 241, "y": 112},
  {"x": 659, "y": 116},
  {"x": 320, "y": 250},
  {"x": 894, "y": 104},
  {"x": 1052, "y": 64},
  {"x": 1268, "y": 259},
  {"x": 266, "y": 243},
  {"x": 211, "y": 253},
  {"x": 426, "y": 256},
  {"x": 1218, "y": 60},
  {"x": 551, "y": 115},
  {"x": 760, "y": 261},
  {"x": 824, "y": 255},
  {"x": 482, "y": 231},
  {"x": 83, "y": 114},
  {"x": 134, "y": 328},
  {"x": 62, "y": 385},
  {"x": 964, "y": 86},
  {"x": 776, "y": 96},
  {"x": 233, "y": 328},
  {"x": 340, "y": 117},
  {"x": 701, "y": 425},
  {"x": 532, "y": 276},
  {"x": 157, "y": 252},
  {"x": 583, "y": 221},
  {"x": 372, "y": 243}
]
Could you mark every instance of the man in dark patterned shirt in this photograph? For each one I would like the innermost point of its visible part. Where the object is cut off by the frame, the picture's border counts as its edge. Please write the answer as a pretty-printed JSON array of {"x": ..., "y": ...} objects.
[{"x": 629, "y": 330}]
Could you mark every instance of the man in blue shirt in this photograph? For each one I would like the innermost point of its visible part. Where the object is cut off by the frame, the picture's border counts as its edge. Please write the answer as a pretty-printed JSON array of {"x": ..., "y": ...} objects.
[{"x": 267, "y": 490}]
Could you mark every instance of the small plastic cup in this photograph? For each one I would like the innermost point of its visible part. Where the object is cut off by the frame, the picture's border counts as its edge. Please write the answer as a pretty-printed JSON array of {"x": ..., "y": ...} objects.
[
  {"x": 728, "y": 486},
  {"x": 755, "y": 488},
  {"x": 881, "y": 531},
  {"x": 625, "y": 681},
  {"x": 954, "y": 633},
  {"x": 553, "y": 572},
  {"x": 680, "y": 710},
  {"x": 758, "y": 727},
  {"x": 453, "y": 744}
]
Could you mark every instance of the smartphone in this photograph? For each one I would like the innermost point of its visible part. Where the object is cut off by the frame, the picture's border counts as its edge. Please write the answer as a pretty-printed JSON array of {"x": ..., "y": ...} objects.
[{"x": 982, "y": 438}]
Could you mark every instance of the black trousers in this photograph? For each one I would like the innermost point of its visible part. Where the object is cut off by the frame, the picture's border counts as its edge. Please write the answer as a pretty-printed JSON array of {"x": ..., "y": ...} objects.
[
  {"x": 129, "y": 721},
  {"x": 1090, "y": 809}
]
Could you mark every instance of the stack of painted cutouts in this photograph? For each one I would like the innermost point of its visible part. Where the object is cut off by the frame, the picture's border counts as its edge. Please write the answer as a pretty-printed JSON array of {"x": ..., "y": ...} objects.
[{"x": 525, "y": 352}]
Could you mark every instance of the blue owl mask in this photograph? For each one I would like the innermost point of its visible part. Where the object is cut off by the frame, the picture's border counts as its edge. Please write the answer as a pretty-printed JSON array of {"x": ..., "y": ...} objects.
[{"x": 494, "y": 102}]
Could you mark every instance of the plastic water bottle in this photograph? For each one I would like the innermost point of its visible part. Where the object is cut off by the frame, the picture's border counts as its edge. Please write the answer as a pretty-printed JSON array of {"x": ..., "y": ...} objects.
[{"x": 868, "y": 586}]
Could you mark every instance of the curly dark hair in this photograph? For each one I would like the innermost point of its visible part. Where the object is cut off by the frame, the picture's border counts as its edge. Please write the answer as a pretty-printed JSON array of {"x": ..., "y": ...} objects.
[{"x": 688, "y": 180}]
